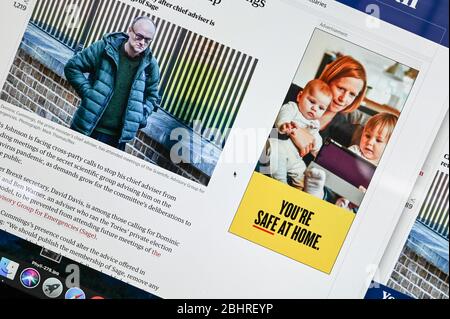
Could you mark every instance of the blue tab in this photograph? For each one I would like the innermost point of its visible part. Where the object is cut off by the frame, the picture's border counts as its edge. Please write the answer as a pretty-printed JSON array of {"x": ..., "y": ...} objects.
[
  {"x": 426, "y": 18},
  {"x": 379, "y": 291}
]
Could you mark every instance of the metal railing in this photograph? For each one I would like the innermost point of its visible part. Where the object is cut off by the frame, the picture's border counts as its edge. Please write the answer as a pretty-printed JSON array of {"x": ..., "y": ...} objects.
[
  {"x": 63, "y": 19},
  {"x": 202, "y": 81},
  {"x": 434, "y": 212}
]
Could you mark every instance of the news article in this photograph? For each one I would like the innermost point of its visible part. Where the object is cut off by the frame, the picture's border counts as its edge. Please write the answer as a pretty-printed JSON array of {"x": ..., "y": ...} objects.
[
  {"x": 328, "y": 139},
  {"x": 94, "y": 79},
  {"x": 134, "y": 81},
  {"x": 75, "y": 221}
]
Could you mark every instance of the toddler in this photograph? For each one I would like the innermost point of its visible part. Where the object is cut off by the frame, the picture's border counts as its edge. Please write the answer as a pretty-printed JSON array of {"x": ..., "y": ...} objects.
[
  {"x": 375, "y": 136},
  {"x": 284, "y": 157}
]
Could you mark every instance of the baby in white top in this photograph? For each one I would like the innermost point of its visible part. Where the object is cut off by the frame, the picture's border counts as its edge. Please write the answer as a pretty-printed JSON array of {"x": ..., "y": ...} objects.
[{"x": 285, "y": 159}]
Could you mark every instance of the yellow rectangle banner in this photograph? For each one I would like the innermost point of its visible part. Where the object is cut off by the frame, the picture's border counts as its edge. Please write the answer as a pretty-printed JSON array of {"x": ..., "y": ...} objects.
[{"x": 292, "y": 223}]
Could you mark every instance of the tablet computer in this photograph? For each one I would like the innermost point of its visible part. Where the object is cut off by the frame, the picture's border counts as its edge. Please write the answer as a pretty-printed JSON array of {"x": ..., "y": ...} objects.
[{"x": 345, "y": 164}]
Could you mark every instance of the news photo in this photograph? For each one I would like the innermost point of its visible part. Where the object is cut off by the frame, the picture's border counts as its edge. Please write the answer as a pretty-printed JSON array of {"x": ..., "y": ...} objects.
[
  {"x": 336, "y": 120},
  {"x": 132, "y": 81}
]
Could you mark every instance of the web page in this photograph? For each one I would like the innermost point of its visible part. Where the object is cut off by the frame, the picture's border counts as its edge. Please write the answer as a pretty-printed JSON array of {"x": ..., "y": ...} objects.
[{"x": 131, "y": 135}]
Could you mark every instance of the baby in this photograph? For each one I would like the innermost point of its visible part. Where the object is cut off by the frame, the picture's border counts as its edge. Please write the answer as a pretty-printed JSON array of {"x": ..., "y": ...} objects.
[
  {"x": 375, "y": 136},
  {"x": 284, "y": 157}
]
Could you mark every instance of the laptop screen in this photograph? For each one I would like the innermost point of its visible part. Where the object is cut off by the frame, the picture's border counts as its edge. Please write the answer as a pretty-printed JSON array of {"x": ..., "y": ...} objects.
[{"x": 345, "y": 164}]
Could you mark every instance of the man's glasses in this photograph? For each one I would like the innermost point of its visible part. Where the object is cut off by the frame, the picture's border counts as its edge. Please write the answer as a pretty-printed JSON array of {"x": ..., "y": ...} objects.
[{"x": 140, "y": 37}]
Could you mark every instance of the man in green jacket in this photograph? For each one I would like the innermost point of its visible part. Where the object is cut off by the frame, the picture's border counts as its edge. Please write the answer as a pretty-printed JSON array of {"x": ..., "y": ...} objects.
[{"x": 121, "y": 89}]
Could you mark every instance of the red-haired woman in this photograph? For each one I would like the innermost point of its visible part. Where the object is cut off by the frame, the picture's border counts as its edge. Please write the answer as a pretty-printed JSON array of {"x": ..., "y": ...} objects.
[{"x": 348, "y": 81}]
